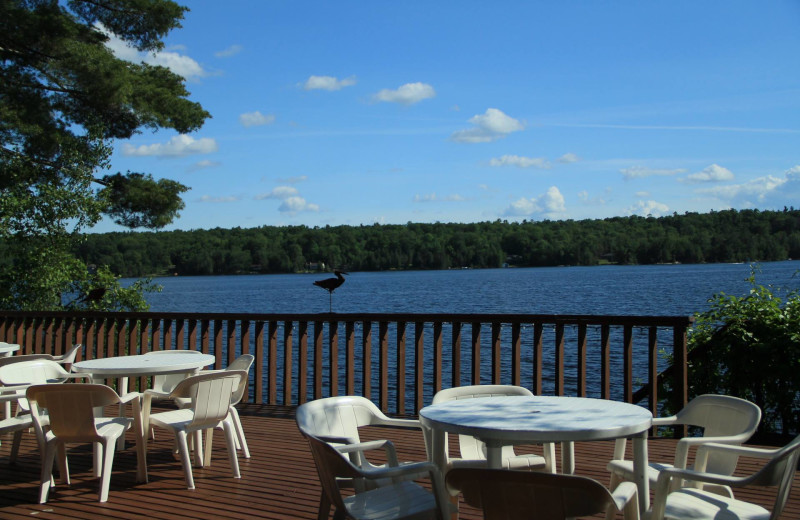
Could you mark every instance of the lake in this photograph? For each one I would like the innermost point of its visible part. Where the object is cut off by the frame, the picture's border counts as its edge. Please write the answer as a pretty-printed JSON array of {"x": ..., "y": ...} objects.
[{"x": 664, "y": 290}]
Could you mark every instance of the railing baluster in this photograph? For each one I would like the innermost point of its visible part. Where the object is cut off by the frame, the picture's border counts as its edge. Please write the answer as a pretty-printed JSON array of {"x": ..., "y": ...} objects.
[
  {"x": 333, "y": 360},
  {"x": 627, "y": 356},
  {"x": 581, "y": 360},
  {"x": 302, "y": 362},
  {"x": 476, "y": 353},
  {"x": 437, "y": 356},
  {"x": 559, "y": 361},
  {"x": 383, "y": 365},
  {"x": 496, "y": 364},
  {"x": 516, "y": 354},
  {"x": 605, "y": 361},
  {"x": 287, "y": 362},
  {"x": 258, "y": 370},
  {"x": 401, "y": 368},
  {"x": 272, "y": 362},
  {"x": 538, "y": 329},
  {"x": 419, "y": 365},
  {"x": 366, "y": 359},
  {"x": 318, "y": 335},
  {"x": 455, "y": 343},
  {"x": 350, "y": 358}
]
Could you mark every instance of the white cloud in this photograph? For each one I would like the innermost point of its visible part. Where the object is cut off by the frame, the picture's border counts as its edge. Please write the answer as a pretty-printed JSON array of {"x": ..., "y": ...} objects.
[
  {"x": 203, "y": 165},
  {"x": 256, "y": 119},
  {"x": 490, "y": 126},
  {"x": 568, "y": 158},
  {"x": 407, "y": 94},
  {"x": 648, "y": 207},
  {"x": 293, "y": 205},
  {"x": 637, "y": 172},
  {"x": 520, "y": 162},
  {"x": 328, "y": 83},
  {"x": 174, "y": 61},
  {"x": 591, "y": 201},
  {"x": 642, "y": 194},
  {"x": 178, "y": 146},
  {"x": 770, "y": 190},
  {"x": 550, "y": 204},
  {"x": 713, "y": 173},
  {"x": 230, "y": 51},
  {"x": 215, "y": 200},
  {"x": 280, "y": 193}
]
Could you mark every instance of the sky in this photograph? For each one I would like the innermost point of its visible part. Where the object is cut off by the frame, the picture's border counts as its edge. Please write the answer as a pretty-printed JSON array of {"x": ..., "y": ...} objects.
[{"x": 356, "y": 112}]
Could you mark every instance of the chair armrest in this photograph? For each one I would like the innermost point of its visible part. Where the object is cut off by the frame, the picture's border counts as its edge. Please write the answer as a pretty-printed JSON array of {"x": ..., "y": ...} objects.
[
  {"x": 401, "y": 423},
  {"x": 129, "y": 397},
  {"x": 665, "y": 421},
  {"x": 668, "y": 474},
  {"x": 686, "y": 443},
  {"x": 736, "y": 449},
  {"x": 156, "y": 394},
  {"x": 361, "y": 447},
  {"x": 626, "y": 495}
]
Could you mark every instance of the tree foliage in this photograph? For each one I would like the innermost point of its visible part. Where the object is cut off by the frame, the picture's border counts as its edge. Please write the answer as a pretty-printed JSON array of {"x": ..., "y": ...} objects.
[
  {"x": 64, "y": 97},
  {"x": 726, "y": 236},
  {"x": 749, "y": 347}
]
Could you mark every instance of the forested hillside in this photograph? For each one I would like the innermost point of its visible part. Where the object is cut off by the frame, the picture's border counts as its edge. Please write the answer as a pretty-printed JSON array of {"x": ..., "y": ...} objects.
[{"x": 723, "y": 236}]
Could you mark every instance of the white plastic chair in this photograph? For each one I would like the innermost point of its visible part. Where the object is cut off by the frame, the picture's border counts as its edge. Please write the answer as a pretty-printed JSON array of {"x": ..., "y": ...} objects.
[
  {"x": 399, "y": 499},
  {"x": 210, "y": 393},
  {"x": 336, "y": 420},
  {"x": 699, "y": 504},
  {"x": 16, "y": 425},
  {"x": 473, "y": 451},
  {"x": 71, "y": 419},
  {"x": 164, "y": 383},
  {"x": 724, "y": 419},
  {"x": 34, "y": 371},
  {"x": 523, "y": 495}
]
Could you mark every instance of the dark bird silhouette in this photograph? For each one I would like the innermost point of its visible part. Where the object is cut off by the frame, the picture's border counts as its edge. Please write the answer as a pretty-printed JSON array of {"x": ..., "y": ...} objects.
[{"x": 331, "y": 284}]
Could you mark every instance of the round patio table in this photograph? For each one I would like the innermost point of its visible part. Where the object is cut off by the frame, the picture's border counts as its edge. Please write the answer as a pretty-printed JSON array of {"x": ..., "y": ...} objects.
[{"x": 500, "y": 421}]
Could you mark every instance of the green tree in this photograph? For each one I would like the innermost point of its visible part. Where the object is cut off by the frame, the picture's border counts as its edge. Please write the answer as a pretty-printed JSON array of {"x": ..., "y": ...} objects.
[{"x": 64, "y": 97}]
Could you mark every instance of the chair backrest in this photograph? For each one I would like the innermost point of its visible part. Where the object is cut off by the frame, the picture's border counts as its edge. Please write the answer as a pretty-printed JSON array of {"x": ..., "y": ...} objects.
[
  {"x": 331, "y": 465},
  {"x": 523, "y": 495},
  {"x": 23, "y": 357},
  {"x": 210, "y": 393},
  {"x": 336, "y": 417},
  {"x": 470, "y": 447},
  {"x": 779, "y": 471},
  {"x": 243, "y": 362},
  {"x": 70, "y": 408},
  {"x": 167, "y": 382},
  {"x": 721, "y": 416},
  {"x": 68, "y": 357},
  {"x": 32, "y": 372}
]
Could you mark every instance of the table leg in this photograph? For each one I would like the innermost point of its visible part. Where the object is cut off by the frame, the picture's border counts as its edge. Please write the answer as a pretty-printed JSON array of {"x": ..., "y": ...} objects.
[
  {"x": 640, "y": 463},
  {"x": 494, "y": 455},
  {"x": 567, "y": 458}
]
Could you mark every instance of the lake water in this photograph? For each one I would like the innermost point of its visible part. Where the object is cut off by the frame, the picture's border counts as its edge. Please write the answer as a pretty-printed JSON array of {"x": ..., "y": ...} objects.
[{"x": 665, "y": 290}]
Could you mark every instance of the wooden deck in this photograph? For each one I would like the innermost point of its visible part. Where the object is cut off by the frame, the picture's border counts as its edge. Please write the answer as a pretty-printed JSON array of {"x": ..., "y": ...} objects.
[{"x": 278, "y": 482}]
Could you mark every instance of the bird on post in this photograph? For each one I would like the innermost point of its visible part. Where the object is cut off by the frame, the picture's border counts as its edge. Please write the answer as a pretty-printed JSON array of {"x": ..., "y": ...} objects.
[{"x": 331, "y": 284}]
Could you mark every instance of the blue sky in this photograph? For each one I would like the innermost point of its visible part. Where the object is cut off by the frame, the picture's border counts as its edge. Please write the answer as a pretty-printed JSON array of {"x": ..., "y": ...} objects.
[{"x": 349, "y": 113}]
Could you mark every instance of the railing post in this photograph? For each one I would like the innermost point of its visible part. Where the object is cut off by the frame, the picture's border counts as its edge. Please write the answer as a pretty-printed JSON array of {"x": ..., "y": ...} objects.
[
  {"x": 366, "y": 359},
  {"x": 680, "y": 382},
  {"x": 419, "y": 365},
  {"x": 496, "y": 354}
]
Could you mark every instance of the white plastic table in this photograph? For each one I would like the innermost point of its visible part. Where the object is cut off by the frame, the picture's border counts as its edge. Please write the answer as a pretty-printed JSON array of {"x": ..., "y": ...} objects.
[
  {"x": 500, "y": 421},
  {"x": 123, "y": 367},
  {"x": 7, "y": 348}
]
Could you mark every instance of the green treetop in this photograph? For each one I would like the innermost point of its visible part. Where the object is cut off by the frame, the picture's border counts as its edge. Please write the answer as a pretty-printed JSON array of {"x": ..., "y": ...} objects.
[{"x": 64, "y": 97}]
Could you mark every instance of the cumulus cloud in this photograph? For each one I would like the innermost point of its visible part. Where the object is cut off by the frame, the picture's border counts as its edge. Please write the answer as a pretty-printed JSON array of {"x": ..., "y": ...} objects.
[
  {"x": 178, "y": 63},
  {"x": 520, "y": 162},
  {"x": 637, "y": 172},
  {"x": 713, "y": 173},
  {"x": 648, "y": 207},
  {"x": 280, "y": 193},
  {"x": 256, "y": 119},
  {"x": 770, "y": 190},
  {"x": 550, "y": 204},
  {"x": 568, "y": 158},
  {"x": 328, "y": 83},
  {"x": 294, "y": 205},
  {"x": 407, "y": 94},
  {"x": 178, "y": 146},
  {"x": 490, "y": 126},
  {"x": 230, "y": 51},
  {"x": 588, "y": 200}
]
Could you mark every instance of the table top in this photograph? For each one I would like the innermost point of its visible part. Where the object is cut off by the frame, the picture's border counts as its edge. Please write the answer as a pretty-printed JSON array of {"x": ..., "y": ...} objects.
[
  {"x": 7, "y": 348},
  {"x": 538, "y": 418},
  {"x": 144, "y": 364}
]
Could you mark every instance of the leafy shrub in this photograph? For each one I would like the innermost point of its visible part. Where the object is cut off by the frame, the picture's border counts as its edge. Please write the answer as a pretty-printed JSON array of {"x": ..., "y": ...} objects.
[{"x": 749, "y": 347}]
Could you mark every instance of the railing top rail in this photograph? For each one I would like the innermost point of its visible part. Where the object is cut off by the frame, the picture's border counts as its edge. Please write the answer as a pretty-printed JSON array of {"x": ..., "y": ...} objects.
[{"x": 662, "y": 321}]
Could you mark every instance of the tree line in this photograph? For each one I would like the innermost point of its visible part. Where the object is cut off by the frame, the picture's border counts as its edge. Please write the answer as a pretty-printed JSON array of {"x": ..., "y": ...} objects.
[{"x": 719, "y": 236}]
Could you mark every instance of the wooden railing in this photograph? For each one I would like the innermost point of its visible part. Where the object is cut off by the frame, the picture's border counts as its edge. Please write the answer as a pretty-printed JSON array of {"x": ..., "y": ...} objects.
[{"x": 397, "y": 360}]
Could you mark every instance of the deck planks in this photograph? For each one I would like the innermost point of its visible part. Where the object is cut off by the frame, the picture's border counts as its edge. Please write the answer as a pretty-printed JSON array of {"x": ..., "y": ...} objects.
[{"x": 278, "y": 482}]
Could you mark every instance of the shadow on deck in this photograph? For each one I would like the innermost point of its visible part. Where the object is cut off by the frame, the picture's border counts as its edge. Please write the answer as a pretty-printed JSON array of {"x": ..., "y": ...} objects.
[{"x": 278, "y": 482}]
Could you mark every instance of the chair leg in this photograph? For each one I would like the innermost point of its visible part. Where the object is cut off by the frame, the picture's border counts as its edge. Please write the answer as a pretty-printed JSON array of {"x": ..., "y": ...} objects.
[
  {"x": 237, "y": 423},
  {"x": 612, "y": 485},
  {"x": 47, "y": 472},
  {"x": 230, "y": 438},
  {"x": 63, "y": 466},
  {"x": 15, "y": 447},
  {"x": 324, "y": 507},
  {"x": 108, "y": 462},
  {"x": 183, "y": 448},
  {"x": 207, "y": 446}
]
